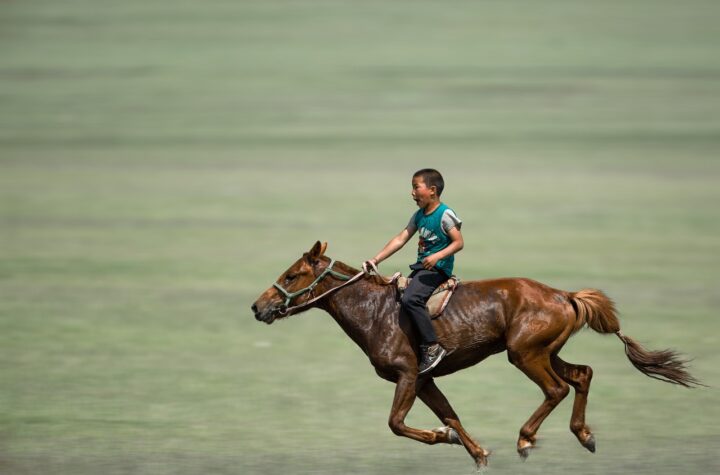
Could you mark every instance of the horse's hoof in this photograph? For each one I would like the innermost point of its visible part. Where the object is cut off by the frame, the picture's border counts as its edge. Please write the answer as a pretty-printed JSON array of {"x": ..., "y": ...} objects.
[
  {"x": 590, "y": 443},
  {"x": 481, "y": 461},
  {"x": 450, "y": 435},
  {"x": 454, "y": 438},
  {"x": 524, "y": 449}
]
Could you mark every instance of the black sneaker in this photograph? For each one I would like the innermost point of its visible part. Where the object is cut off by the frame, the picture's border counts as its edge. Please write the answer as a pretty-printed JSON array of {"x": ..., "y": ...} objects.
[{"x": 431, "y": 356}]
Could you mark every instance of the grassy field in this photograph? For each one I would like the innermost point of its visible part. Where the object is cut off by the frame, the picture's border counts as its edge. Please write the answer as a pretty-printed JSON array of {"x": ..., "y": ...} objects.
[{"x": 162, "y": 162}]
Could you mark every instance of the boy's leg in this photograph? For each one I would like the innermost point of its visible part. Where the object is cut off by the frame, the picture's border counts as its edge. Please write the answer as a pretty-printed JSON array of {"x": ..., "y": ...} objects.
[{"x": 414, "y": 302}]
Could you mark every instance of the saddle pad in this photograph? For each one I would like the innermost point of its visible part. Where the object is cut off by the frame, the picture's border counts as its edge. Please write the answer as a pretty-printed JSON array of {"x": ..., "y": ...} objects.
[{"x": 439, "y": 299}]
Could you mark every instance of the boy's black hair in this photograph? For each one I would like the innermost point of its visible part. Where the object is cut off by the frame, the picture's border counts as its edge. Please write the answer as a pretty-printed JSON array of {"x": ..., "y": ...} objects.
[{"x": 431, "y": 177}]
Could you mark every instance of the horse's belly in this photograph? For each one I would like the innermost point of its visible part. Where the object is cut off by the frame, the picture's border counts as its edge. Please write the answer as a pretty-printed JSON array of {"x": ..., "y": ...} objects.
[{"x": 465, "y": 357}]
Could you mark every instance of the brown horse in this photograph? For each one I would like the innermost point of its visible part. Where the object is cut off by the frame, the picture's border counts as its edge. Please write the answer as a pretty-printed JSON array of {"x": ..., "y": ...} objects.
[{"x": 528, "y": 319}]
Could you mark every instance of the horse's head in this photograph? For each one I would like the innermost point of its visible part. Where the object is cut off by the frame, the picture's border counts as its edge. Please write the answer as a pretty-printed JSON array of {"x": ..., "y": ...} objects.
[{"x": 293, "y": 287}]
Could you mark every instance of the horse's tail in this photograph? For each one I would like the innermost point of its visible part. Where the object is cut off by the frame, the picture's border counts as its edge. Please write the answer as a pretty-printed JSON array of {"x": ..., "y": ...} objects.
[{"x": 595, "y": 309}]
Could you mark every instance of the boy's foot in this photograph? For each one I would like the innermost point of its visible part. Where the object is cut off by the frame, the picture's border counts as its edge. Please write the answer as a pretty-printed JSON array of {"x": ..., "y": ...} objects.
[{"x": 430, "y": 357}]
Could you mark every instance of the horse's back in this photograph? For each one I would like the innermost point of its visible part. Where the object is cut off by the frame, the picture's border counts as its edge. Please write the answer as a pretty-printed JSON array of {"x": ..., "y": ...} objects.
[{"x": 510, "y": 297}]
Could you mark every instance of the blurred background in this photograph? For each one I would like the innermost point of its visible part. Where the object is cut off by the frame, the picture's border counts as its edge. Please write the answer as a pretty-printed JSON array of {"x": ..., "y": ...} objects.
[{"x": 164, "y": 161}]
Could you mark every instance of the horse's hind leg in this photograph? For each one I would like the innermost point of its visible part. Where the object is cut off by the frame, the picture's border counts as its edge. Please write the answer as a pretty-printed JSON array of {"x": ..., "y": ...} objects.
[
  {"x": 438, "y": 403},
  {"x": 536, "y": 365},
  {"x": 579, "y": 377}
]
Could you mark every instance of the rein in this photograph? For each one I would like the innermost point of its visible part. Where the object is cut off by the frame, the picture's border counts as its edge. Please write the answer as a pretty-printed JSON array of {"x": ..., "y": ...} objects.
[{"x": 328, "y": 270}]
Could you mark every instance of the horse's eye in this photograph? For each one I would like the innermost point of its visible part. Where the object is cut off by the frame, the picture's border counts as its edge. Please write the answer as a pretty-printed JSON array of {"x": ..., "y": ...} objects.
[{"x": 290, "y": 277}]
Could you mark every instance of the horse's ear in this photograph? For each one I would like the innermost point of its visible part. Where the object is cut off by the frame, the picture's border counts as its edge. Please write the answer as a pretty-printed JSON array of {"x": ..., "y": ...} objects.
[{"x": 317, "y": 251}]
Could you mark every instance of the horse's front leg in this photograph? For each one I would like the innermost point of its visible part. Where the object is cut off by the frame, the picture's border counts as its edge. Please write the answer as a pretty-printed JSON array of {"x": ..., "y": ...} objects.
[
  {"x": 405, "y": 393},
  {"x": 431, "y": 395}
]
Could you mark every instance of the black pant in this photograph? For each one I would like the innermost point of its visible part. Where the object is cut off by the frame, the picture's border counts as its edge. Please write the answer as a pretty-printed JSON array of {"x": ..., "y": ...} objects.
[{"x": 414, "y": 300}]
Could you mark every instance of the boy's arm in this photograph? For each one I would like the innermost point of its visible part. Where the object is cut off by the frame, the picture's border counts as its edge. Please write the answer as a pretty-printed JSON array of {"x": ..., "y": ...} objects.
[
  {"x": 455, "y": 245},
  {"x": 393, "y": 245}
]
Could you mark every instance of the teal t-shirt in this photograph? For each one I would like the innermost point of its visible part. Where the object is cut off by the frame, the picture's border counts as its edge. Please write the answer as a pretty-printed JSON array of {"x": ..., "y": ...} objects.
[{"x": 433, "y": 234}]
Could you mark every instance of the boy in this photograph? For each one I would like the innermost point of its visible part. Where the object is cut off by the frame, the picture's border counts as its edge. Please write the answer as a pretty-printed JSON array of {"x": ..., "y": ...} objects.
[{"x": 440, "y": 239}]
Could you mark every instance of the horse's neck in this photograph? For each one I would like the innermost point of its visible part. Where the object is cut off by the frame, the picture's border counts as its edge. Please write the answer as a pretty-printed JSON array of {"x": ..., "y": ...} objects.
[{"x": 356, "y": 307}]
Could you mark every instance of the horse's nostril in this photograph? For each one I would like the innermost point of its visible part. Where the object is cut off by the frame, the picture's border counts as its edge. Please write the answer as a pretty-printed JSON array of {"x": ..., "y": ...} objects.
[{"x": 254, "y": 308}]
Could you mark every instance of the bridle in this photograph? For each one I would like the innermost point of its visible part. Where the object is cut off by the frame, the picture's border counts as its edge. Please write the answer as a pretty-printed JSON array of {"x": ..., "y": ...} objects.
[{"x": 284, "y": 309}]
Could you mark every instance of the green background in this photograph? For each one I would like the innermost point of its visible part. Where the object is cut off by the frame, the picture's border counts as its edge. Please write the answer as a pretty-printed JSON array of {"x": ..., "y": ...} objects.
[{"x": 163, "y": 162}]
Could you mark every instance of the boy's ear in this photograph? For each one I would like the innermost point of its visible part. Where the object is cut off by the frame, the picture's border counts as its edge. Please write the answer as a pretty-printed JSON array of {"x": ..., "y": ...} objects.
[{"x": 317, "y": 251}]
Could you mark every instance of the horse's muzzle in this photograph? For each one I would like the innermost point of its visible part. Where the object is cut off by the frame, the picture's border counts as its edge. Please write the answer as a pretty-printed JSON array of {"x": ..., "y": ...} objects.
[{"x": 266, "y": 315}]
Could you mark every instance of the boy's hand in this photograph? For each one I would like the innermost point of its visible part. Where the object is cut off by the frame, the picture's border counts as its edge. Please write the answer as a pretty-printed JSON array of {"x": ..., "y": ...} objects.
[
  {"x": 430, "y": 261},
  {"x": 369, "y": 266}
]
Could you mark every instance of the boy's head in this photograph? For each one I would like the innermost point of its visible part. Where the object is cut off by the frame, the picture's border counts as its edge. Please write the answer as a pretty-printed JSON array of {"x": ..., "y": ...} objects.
[{"x": 431, "y": 177}]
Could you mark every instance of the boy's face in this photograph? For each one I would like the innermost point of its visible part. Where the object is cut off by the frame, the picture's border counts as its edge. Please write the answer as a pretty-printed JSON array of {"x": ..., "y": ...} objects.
[{"x": 422, "y": 195}]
